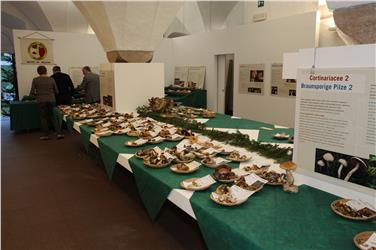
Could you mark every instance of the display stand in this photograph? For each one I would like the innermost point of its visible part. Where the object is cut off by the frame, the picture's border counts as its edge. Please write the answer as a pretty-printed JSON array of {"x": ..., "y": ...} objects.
[
  {"x": 126, "y": 86},
  {"x": 347, "y": 60}
]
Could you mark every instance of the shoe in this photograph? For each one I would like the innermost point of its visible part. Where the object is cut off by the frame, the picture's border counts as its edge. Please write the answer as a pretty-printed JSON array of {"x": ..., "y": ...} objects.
[
  {"x": 44, "y": 138},
  {"x": 60, "y": 136}
]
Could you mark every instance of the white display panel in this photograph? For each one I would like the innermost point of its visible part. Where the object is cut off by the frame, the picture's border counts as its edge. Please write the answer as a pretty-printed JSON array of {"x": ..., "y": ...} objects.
[
  {"x": 181, "y": 75},
  {"x": 335, "y": 126},
  {"x": 196, "y": 77},
  {"x": 130, "y": 85}
]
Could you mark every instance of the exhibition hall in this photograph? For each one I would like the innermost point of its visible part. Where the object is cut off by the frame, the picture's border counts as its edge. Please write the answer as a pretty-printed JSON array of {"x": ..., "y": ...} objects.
[{"x": 188, "y": 125}]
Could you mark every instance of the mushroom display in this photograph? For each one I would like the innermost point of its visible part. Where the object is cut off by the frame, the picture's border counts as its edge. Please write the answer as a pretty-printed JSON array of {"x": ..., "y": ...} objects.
[
  {"x": 321, "y": 164},
  {"x": 289, "y": 166},
  {"x": 328, "y": 157},
  {"x": 343, "y": 163},
  {"x": 358, "y": 163}
]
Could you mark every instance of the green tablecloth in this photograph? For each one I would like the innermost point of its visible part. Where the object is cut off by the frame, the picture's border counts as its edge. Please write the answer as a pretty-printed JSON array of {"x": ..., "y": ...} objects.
[
  {"x": 270, "y": 219},
  {"x": 273, "y": 219},
  {"x": 197, "y": 98},
  {"x": 24, "y": 115},
  {"x": 153, "y": 199}
]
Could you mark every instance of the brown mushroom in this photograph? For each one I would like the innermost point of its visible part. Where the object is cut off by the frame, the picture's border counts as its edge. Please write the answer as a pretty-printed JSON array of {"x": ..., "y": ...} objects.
[{"x": 289, "y": 166}]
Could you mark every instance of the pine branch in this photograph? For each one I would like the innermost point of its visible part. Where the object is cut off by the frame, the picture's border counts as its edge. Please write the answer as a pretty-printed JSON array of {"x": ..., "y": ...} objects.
[{"x": 235, "y": 139}]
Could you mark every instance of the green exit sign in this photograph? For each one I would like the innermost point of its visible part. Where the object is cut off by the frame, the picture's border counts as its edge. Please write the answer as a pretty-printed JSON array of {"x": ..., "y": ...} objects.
[{"x": 260, "y": 4}]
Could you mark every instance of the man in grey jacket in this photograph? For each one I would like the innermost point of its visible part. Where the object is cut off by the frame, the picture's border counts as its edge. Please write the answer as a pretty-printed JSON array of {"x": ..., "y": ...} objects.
[{"x": 90, "y": 84}]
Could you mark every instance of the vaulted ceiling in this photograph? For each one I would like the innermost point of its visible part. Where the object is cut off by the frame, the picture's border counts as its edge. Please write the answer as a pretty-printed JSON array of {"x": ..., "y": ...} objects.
[
  {"x": 57, "y": 16},
  {"x": 63, "y": 16}
]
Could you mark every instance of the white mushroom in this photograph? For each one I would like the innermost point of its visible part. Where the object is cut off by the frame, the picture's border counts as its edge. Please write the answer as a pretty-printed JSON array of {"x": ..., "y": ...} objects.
[
  {"x": 321, "y": 163},
  {"x": 358, "y": 163},
  {"x": 328, "y": 157},
  {"x": 343, "y": 163}
]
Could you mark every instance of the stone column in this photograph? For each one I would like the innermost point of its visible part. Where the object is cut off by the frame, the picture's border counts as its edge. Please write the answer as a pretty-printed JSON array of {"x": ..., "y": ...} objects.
[
  {"x": 357, "y": 24},
  {"x": 129, "y": 31}
]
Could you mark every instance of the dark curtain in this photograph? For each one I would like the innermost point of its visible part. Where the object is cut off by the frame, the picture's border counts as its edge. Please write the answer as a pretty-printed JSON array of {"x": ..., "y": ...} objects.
[{"x": 229, "y": 89}]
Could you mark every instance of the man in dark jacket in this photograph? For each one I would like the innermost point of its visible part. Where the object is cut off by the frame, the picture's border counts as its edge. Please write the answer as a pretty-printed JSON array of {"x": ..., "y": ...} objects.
[
  {"x": 44, "y": 89},
  {"x": 90, "y": 84},
  {"x": 64, "y": 85}
]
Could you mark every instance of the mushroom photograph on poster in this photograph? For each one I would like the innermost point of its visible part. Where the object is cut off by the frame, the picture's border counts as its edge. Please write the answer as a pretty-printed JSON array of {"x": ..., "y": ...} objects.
[{"x": 346, "y": 167}]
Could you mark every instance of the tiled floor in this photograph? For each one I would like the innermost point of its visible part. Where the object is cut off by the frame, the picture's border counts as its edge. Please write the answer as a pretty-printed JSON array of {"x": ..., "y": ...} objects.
[{"x": 55, "y": 196}]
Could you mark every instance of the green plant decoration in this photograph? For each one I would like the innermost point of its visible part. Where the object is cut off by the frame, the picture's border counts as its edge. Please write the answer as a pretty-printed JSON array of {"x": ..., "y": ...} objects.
[{"x": 237, "y": 139}]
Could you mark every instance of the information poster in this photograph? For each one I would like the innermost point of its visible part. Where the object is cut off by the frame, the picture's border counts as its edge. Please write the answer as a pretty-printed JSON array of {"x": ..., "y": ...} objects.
[
  {"x": 335, "y": 125},
  {"x": 251, "y": 79},
  {"x": 181, "y": 75},
  {"x": 281, "y": 87},
  {"x": 107, "y": 87},
  {"x": 196, "y": 77}
]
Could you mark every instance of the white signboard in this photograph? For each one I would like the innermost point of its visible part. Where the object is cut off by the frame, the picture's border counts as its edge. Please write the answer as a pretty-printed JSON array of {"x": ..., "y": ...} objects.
[
  {"x": 37, "y": 51},
  {"x": 196, "y": 77},
  {"x": 181, "y": 75},
  {"x": 281, "y": 87},
  {"x": 251, "y": 79},
  {"x": 335, "y": 125}
]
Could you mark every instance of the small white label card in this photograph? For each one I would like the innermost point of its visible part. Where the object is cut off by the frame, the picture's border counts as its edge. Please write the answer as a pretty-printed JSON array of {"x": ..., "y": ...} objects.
[
  {"x": 140, "y": 141},
  {"x": 107, "y": 124},
  {"x": 207, "y": 180},
  {"x": 240, "y": 193},
  {"x": 125, "y": 130},
  {"x": 175, "y": 136},
  {"x": 123, "y": 125},
  {"x": 252, "y": 178},
  {"x": 193, "y": 164},
  {"x": 239, "y": 172},
  {"x": 158, "y": 138},
  {"x": 209, "y": 151},
  {"x": 153, "y": 133},
  {"x": 358, "y": 205},
  {"x": 201, "y": 120},
  {"x": 220, "y": 160},
  {"x": 172, "y": 130},
  {"x": 157, "y": 129},
  {"x": 168, "y": 155},
  {"x": 370, "y": 243},
  {"x": 158, "y": 150}
]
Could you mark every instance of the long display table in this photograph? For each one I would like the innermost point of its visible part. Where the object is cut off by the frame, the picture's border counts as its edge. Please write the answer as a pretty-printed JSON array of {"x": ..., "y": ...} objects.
[
  {"x": 197, "y": 98},
  {"x": 24, "y": 115},
  {"x": 270, "y": 219}
]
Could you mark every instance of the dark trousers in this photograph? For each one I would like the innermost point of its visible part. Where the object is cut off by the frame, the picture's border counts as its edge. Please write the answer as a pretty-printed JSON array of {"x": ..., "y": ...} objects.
[
  {"x": 65, "y": 99},
  {"x": 46, "y": 116}
]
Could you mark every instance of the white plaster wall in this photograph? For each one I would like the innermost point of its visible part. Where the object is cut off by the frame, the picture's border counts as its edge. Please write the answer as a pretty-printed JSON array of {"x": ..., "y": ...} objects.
[
  {"x": 263, "y": 42},
  {"x": 165, "y": 54},
  {"x": 70, "y": 50}
]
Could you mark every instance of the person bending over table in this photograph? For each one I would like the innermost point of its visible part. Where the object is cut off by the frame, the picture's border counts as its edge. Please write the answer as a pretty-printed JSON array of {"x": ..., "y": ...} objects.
[
  {"x": 44, "y": 89},
  {"x": 64, "y": 85},
  {"x": 90, "y": 84}
]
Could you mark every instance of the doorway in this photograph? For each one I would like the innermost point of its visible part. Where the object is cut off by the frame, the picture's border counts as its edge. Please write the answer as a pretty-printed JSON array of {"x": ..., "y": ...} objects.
[{"x": 225, "y": 83}]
